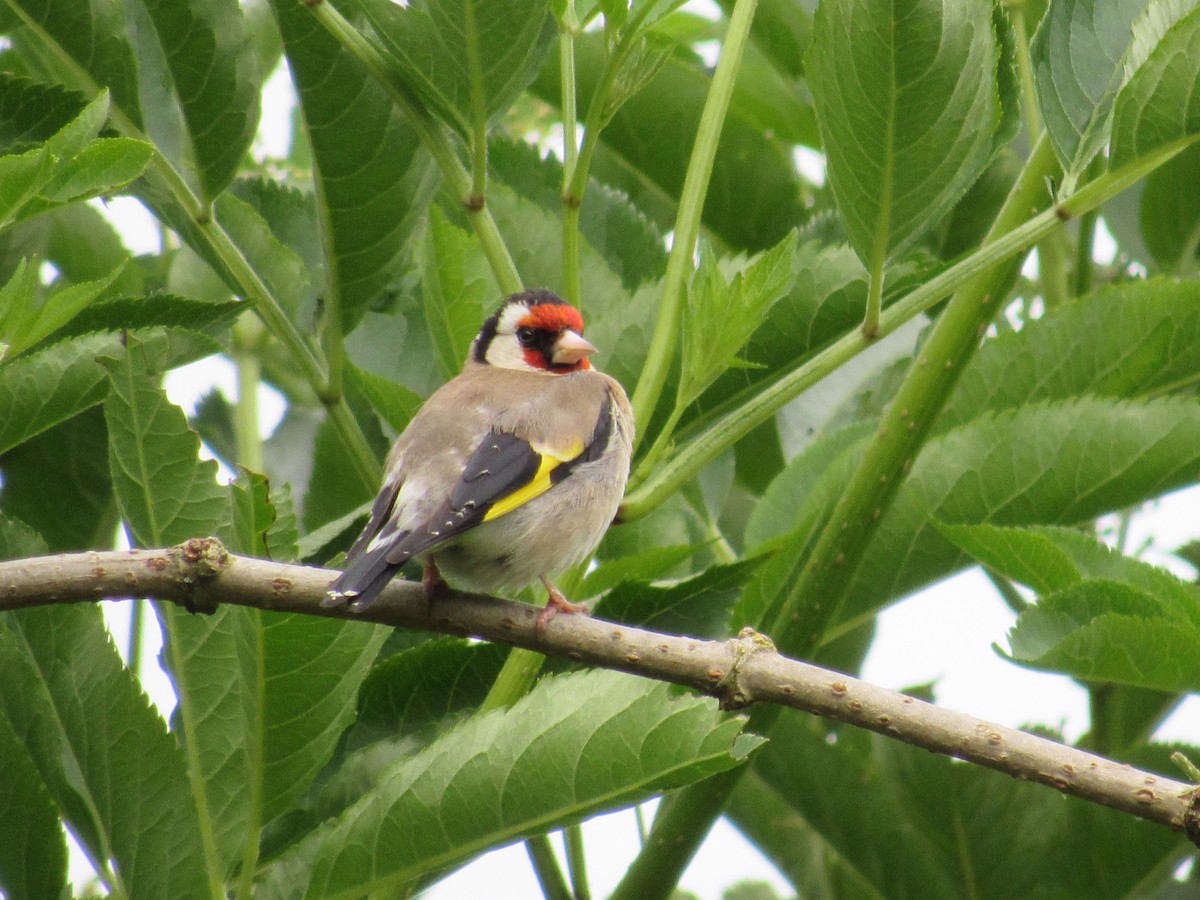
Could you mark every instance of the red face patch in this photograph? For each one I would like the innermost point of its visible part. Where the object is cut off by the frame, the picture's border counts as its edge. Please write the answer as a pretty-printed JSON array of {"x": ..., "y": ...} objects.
[
  {"x": 554, "y": 317},
  {"x": 551, "y": 319}
]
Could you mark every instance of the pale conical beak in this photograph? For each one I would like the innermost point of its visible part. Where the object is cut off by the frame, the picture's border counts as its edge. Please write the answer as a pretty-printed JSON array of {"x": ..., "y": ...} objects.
[{"x": 570, "y": 348}]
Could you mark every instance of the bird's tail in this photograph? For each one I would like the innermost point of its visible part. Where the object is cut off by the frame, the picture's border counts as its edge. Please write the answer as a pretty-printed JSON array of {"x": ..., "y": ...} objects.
[{"x": 362, "y": 581}]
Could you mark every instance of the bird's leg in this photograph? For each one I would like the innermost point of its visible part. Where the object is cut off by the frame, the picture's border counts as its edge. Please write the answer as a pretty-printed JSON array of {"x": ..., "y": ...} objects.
[
  {"x": 556, "y": 602},
  {"x": 431, "y": 580}
]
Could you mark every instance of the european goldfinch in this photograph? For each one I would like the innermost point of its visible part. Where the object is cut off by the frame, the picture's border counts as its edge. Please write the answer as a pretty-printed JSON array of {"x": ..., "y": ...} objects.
[{"x": 511, "y": 472}]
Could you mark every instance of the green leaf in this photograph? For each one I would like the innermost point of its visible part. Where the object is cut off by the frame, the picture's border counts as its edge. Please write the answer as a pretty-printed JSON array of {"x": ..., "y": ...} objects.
[
  {"x": 826, "y": 301},
  {"x": 201, "y": 52},
  {"x": 1170, "y": 212},
  {"x": 264, "y": 699},
  {"x": 1082, "y": 557},
  {"x": 1077, "y": 57},
  {"x": 24, "y": 321},
  {"x": 782, "y": 30},
  {"x": 170, "y": 310},
  {"x": 278, "y": 265},
  {"x": 42, "y": 389},
  {"x": 1159, "y": 105},
  {"x": 1058, "y": 463},
  {"x": 252, "y": 515},
  {"x": 654, "y": 563},
  {"x": 54, "y": 237},
  {"x": 283, "y": 536},
  {"x": 394, "y": 403},
  {"x": 72, "y": 164},
  {"x": 31, "y": 111},
  {"x": 404, "y": 703},
  {"x": 1110, "y": 632},
  {"x": 419, "y": 690},
  {"x": 33, "y": 850},
  {"x": 103, "y": 753},
  {"x": 20, "y": 177},
  {"x": 165, "y": 493},
  {"x": 1038, "y": 464},
  {"x": 334, "y": 488},
  {"x": 17, "y": 539},
  {"x": 466, "y": 59},
  {"x": 213, "y": 421},
  {"x": 63, "y": 468},
  {"x": 1129, "y": 340},
  {"x": 102, "y": 167},
  {"x": 908, "y": 104},
  {"x": 1020, "y": 554},
  {"x": 938, "y": 829},
  {"x": 775, "y": 514},
  {"x": 770, "y": 88},
  {"x": 376, "y": 188},
  {"x": 577, "y": 744},
  {"x": 291, "y": 216},
  {"x": 610, "y": 224},
  {"x": 458, "y": 289},
  {"x": 696, "y": 607},
  {"x": 1116, "y": 625},
  {"x": 722, "y": 315},
  {"x": 91, "y": 35}
]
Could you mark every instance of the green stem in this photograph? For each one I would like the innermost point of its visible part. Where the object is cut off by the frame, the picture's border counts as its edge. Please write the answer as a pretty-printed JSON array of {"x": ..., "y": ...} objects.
[
  {"x": 1081, "y": 272},
  {"x": 683, "y": 821},
  {"x": 576, "y": 861},
  {"x": 599, "y": 107},
  {"x": 568, "y": 27},
  {"x": 137, "y": 613},
  {"x": 572, "y": 289},
  {"x": 687, "y": 221},
  {"x": 545, "y": 867},
  {"x": 478, "y": 110},
  {"x": 1052, "y": 269},
  {"x": 516, "y": 677},
  {"x": 870, "y": 325},
  {"x": 1052, "y": 251},
  {"x": 1029, "y": 107},
  {"x": 698, "y": 452},
  {"x": 433, "y": 138},
  {"x": 246, "y": 341}
]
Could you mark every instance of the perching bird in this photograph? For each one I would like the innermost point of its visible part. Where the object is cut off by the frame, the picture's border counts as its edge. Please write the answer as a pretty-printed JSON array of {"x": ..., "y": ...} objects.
[{"x": 511, "y": 472}]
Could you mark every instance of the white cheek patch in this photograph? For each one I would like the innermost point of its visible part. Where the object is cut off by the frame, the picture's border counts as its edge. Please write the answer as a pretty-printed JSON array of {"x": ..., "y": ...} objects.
[
  {"x": 506, "y": 353},
  {"x": 504, "y": 350}
]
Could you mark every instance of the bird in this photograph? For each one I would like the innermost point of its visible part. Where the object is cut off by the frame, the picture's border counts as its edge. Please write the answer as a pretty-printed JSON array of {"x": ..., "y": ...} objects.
[{"x": 510, "y": 473}]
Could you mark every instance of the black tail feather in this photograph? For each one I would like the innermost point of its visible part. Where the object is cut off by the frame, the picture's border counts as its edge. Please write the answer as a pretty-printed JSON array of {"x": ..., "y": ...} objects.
[{"x": 362, "y": 581}]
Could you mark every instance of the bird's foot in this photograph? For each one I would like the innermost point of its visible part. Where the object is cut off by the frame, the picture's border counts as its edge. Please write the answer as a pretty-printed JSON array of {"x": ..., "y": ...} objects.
[{"x": 556, "y": 603}]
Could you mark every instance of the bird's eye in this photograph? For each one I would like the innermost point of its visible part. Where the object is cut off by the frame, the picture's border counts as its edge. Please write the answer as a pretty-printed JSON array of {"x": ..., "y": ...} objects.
[{"x": 526, "y": 335}]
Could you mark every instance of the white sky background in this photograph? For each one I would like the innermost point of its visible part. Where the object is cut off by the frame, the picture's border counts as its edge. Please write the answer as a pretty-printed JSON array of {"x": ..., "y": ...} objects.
[{"x": 943, "y": 635}]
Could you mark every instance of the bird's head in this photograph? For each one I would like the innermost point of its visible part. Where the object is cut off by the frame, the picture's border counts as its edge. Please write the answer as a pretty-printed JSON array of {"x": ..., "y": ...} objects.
[{"x": 534, "y": 330}]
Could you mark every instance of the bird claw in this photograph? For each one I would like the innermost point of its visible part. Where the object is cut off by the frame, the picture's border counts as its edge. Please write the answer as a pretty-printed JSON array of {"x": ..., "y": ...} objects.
[{"x": 556, "y": 603}]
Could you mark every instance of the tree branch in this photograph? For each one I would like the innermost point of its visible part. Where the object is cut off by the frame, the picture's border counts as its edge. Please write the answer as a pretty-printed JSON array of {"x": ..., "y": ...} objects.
[{"x": 200, "y": 575}]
